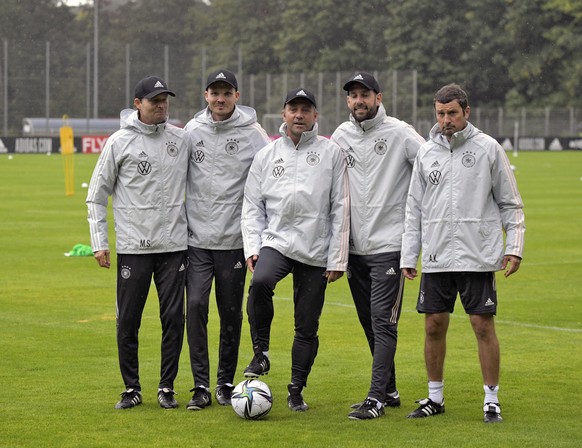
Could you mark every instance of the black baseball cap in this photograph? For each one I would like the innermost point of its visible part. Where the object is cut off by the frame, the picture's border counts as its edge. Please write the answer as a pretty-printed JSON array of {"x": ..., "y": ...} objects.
[
  {"x": 365, "y": 79},
  {"x": 222, "y": 76},
  {"x": 151, "y": 86},
  {"x": 300, "y": 93}
]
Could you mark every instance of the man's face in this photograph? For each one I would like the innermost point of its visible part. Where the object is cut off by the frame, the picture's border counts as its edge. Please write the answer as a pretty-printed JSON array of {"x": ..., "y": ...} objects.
[
  {"x": 363, "y": 102},
  {"x": 154, "y": 110},
  {"x": 451, "y": 117},
  {"x": 300, "y": 116},
  {"x": 221, "y": 98}
]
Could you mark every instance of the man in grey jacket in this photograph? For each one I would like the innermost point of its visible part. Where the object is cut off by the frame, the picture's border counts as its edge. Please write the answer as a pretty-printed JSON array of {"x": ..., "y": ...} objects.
[
  {"x": 143, "y": 167},
  {"x": 295, "y": 219},
  {"x": 224, "y": 139},
  {"x": 463, "y": 196},
  {"x": 380, "y": 154}
]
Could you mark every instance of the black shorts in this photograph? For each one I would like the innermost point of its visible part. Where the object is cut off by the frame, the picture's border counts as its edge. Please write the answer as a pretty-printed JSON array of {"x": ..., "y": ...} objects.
[{"x": 438, "y": 292}]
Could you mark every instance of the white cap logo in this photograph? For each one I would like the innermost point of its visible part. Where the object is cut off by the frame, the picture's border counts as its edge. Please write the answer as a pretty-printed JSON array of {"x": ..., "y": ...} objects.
[
  {"x": 158, "y": 84},
  {"x": 358, "y": 77},
  {"x": 220, "y": 76},
  {"x": 301, "y": 92}
]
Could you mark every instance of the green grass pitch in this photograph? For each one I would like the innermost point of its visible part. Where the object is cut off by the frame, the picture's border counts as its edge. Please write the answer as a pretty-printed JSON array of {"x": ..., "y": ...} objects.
[{"x": 58, "y": 365}]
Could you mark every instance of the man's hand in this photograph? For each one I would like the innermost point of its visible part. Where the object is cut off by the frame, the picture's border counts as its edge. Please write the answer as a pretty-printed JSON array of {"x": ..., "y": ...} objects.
[
  {"x": 332, "y": 276},
  {"x": 251, "y": 262},
  {"x": 409, "y": 273},
  {"x": 514, "y": 263},
  {"x": 102, "y": 257}
]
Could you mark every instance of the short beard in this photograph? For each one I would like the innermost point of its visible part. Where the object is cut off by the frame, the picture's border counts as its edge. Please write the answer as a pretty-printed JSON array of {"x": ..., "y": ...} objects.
[{"x": 371, "y": 114}]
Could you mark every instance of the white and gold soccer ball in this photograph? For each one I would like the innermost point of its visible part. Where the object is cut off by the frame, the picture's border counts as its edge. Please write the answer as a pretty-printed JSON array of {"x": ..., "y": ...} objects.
[{"x": 251, "y": 399}]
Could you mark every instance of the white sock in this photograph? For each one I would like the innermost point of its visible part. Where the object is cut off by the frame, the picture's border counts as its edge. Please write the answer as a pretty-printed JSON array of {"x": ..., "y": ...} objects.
[
  {"x": 435, "y": 391},
  {"x": 491, "y": 394}
]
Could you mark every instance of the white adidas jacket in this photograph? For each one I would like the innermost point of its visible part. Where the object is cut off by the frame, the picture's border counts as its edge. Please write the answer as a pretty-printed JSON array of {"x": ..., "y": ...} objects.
[{"x": 297, "y": 201}]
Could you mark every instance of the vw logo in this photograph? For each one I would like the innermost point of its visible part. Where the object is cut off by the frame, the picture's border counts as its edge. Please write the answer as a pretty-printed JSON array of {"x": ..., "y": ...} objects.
[
  {"x": 434, "y": 177},
  {"x": 144, "y": 168},
  {"x": 351, "y": 161},
  {"x": 278, "y": 171},
  {"x": 198, "y": 156}
]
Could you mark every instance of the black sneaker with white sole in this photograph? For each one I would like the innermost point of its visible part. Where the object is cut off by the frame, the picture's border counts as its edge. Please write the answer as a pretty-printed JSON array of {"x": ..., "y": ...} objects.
[
  {"x": 427, "y": 408},
  {"x": 224, "y": 394},
  {"x": 295, "y": 398},
  {"x": 129, "y": 399},
  {"x": 166, "y": 398},
  {"x": 492, "y": 413},
  {"x": 258, "y": 366},
  {"x": 200, "y": 400},
  {"x": 368, "y": 410}
]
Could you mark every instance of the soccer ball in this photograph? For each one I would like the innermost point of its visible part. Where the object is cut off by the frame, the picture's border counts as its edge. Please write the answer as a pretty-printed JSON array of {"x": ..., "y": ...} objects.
[{"x": 251, "y": 399}]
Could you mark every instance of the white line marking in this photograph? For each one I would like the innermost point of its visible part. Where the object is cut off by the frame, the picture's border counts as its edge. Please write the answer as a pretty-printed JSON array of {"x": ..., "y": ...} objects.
[{"x": 503, "y": 322}]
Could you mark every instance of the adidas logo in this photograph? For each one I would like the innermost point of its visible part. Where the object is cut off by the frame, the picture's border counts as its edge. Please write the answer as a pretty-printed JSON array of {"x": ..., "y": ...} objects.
[
  {"x": 182, "y": 268},
  {"x": 220, "y": 76},
  {"x": 279, "y": 161},
  {"x": 391, "y": 271},
  {"x": 301, "y": 92},
  {"x": 200, "y": 143},
  {"x": 435, "y": 164},
  {"x": 358, "y": 77},
  {"x": 238, "y": 265},
  {"x": 142, "y": 155},
  {"x": 158, "y": 84},
  {"x": 489, "y": 302}
]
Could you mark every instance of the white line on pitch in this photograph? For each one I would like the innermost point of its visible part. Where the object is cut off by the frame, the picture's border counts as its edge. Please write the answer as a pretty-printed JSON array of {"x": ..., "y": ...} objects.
[{"x": 504, "y": 322}]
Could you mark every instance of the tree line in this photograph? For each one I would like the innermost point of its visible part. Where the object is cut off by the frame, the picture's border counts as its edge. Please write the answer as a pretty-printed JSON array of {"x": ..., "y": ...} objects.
[{"x": 510, "y": 53}]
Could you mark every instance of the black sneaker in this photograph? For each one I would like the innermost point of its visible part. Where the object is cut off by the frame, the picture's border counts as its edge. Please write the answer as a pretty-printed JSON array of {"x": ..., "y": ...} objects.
[
  {"x": 368, "y": 410},
  {"x": 259, "y": 365},
  {"x": 295, "y": 399},
  {"x": 427, "y": 408},
  {"x": 224, "y": 394},
  {"x": 200, "y": 400},
  {"x": 391, "y": 402},
  {"x": 166, "y": 398},
  {"x": 492, "y": 413},
  {"x": 129, "y": 399}
]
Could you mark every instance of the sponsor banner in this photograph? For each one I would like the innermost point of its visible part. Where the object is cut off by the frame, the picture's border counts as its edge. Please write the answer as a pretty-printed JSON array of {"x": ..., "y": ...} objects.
[
  {"x": 93, "y": 144},
  {"x": 541, "y": 143},
  {"x": 42, "y": 145}
]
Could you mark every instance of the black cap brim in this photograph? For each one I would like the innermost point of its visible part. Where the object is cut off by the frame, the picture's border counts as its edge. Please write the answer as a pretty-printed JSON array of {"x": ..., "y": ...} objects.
[
  {"x": 150, "y": 95},
  {"x": 348, "y": 84}
]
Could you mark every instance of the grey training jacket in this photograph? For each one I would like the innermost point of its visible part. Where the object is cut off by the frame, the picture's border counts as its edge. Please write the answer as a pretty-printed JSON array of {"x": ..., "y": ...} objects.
[
  {"x": 462, "y": 197},
  {"x": 297, "y": 201},
  {"x": 380, "y": 156},
  {"x": 143, "y": 167},
  {"x": 222, "y": 152}
]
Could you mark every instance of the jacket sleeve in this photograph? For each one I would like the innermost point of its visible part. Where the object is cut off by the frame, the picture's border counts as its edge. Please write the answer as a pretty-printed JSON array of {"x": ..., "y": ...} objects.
[
  {"x": 508, "y": 199},
  {"x": 412, "y": 236},
  {"x": 337, "y": 255},
  {"x": 100, "y": 188},
  {"x": 254, "y": 215}
]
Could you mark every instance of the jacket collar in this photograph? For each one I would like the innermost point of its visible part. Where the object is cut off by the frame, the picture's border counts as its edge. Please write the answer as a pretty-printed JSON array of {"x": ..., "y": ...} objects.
[
  {"x": 366, "y": 125},
  {"x": 306, "y": 137}
]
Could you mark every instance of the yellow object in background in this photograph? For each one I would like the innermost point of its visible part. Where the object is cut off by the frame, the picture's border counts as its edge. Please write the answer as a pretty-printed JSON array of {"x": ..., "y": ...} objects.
[{"x": 67, "y": 151}]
